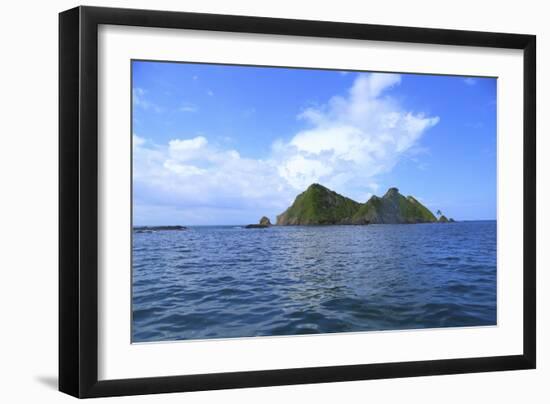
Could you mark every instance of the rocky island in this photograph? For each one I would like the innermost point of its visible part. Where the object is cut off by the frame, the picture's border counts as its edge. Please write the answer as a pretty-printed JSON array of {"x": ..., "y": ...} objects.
[
  {"x": 151, "y": 229},
  {"x": 318, "y": 205},
  {"x": 264, "y": 222}
]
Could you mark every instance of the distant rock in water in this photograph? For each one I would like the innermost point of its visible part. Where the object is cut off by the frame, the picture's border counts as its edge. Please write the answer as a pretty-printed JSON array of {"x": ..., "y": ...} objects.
[
  {"x": 264, "y": 222},
  {"x": 443, "y": 219},
  {"x": 318, "y": 205},
  {"x": 150, "y": 229}
]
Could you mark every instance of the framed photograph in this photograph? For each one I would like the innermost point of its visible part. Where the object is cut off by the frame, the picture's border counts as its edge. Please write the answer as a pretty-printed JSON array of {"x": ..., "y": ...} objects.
[{"x": 251, "y": 201}]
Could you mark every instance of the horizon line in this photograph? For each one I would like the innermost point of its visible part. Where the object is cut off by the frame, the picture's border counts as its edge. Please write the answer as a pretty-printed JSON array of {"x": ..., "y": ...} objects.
[{"x": 276, "y": 225}]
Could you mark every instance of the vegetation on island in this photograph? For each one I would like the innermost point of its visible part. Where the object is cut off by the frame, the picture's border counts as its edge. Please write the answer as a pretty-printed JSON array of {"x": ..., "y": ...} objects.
[{"x": 319, "y": 205}]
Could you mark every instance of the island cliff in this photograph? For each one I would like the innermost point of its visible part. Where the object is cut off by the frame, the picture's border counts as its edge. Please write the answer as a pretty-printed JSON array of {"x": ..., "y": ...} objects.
[{"x": 318, "y": 205}]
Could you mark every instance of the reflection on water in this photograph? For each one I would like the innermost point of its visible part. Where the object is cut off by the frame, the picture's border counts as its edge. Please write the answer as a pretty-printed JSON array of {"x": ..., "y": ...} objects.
[{"x": 227, "y": 281}]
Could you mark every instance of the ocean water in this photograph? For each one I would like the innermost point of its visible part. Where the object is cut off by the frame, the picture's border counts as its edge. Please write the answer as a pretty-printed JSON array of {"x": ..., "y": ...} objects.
[{"x": 227, "y": 281}]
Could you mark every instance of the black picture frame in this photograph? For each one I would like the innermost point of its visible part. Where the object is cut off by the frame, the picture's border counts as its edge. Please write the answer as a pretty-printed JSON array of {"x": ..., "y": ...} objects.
[{"x": 78, "y": 201}]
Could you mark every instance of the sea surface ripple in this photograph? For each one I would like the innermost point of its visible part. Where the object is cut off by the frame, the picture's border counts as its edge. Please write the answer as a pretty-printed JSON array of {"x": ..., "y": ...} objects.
[{"x": 227, "y": 281}]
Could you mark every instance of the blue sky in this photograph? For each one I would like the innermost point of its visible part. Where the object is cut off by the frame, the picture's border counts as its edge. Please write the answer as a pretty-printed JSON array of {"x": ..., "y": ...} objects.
[{"x": 218, "y": 144}]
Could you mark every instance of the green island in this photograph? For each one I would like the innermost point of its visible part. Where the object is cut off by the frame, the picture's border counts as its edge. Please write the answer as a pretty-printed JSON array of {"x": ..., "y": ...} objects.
[{"x": 318, "y": 205}]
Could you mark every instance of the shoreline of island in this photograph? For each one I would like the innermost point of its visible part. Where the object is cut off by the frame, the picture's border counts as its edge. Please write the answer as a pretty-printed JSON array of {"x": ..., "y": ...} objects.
[{"x": 319, "y": 205}]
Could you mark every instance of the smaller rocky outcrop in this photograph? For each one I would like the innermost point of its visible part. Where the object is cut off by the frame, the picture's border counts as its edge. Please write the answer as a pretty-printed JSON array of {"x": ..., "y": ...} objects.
[
  {"x": 443, "y": 219},
  {"x": 264, "y": 222},
  {"x": 152, "y": 229}
]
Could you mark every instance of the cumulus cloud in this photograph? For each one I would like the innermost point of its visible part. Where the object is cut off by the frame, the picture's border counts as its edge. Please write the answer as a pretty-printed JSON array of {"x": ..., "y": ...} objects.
[
  {"x": 345, "y": 144},
  {"x": 191, "y": 174},
  {"x": 363, "y": 133}
]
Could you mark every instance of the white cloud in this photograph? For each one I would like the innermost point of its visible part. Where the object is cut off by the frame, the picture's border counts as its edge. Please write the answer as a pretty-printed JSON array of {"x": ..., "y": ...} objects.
[
  {"x": 210, "y": 93},
  {"x": 348, "y": 143},
  {"x": 188, "y": 149},
  {"x": 189, "y": 174},
  {"x": 138, "y": 141},
  {"x": 368, "y": 87},
  {"x": 470, "y": 81},
  {"x": 183, "y": 170},
  {"x": 364, "y": 133},
  {"x": 300, "y": 171},
  {"x": 140, "y": 100},
  {"x": 374, "y": 186},
  {"x": 188, "y": 107}
]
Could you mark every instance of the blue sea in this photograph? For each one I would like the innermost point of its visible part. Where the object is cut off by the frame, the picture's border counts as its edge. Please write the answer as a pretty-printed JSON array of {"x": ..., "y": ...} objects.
[{"x": 228, "y": 281}]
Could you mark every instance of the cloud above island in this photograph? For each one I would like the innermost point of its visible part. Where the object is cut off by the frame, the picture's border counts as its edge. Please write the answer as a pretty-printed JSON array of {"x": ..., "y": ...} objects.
[
  {"x": 345, "y": 144},
  {"x": 352, "y": 138}
]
